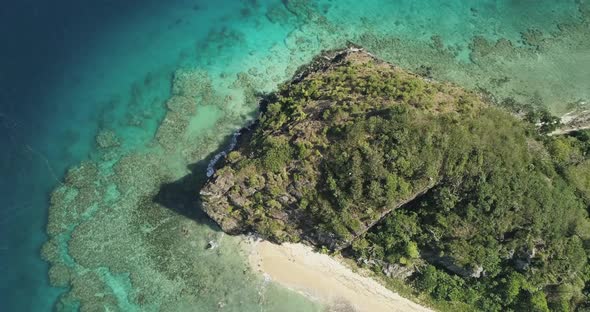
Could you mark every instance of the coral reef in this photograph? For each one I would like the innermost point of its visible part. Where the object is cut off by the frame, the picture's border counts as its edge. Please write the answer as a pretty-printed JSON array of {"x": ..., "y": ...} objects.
[
  {"x": 126, "y": 234},
  {"x": 107, "y": 139}
]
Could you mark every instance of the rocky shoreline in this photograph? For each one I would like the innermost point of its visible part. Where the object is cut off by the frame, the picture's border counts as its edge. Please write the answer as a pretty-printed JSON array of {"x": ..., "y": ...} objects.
[{"x": 573, "y": 121}]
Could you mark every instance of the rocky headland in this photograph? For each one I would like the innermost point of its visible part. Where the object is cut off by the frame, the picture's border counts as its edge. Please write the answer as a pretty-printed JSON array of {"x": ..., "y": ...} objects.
[{"x": 416, "y": 179}]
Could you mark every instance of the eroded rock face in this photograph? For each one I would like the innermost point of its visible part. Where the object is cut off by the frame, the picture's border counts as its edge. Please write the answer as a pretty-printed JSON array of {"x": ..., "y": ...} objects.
[
  {"x": 452, "y": 265},
  {"x": 397, "y": 271},
  {"x": 215, "y": 200}
]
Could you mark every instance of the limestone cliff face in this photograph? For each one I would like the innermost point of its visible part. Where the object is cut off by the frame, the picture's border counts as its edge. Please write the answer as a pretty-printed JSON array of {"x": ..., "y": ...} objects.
[{"x": 216, "y": 203}]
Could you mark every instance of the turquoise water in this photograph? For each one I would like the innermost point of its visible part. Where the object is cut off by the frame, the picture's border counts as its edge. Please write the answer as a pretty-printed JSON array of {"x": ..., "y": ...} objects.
[{"x": 124, "y": 227}]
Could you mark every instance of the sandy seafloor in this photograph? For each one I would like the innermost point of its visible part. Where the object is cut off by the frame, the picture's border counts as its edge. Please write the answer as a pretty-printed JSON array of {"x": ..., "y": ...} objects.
[{"x": 145, "y": 93}]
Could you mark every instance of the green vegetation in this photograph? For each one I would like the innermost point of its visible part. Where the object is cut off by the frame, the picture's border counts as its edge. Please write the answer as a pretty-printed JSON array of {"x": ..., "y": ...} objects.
[{"x": 485, "y": 211}]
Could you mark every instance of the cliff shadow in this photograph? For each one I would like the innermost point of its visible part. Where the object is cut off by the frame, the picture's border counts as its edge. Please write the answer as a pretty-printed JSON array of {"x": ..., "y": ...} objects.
[{"x": 182, "y": 196}]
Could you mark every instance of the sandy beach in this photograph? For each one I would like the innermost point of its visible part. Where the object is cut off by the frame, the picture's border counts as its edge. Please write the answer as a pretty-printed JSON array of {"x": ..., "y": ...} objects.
[{"x": 325, "y": 279}]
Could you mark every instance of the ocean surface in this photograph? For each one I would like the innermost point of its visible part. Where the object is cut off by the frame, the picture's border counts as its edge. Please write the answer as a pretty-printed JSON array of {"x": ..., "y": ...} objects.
[{"x": 111, "y": 110}]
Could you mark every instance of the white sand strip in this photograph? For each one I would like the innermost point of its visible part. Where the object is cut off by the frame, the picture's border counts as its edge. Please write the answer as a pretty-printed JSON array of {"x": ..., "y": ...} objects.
[{"x": 324, "y": 278}]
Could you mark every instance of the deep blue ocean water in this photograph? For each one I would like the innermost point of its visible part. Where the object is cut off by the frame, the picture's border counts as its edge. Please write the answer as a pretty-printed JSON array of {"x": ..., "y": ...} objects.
[
  {"x": 48, "y": 121},
  {"x": 41, "y": 44},
  {"x": 69, "y": 68}
]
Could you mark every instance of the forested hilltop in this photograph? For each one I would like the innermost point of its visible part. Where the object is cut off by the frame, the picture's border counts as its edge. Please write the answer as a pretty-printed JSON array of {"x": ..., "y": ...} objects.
[{"x": 418, "y": 180}]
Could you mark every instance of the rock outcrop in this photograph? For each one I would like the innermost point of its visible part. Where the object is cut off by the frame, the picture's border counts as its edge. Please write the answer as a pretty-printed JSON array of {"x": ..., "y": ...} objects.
[{"x": 290, "y": 175}]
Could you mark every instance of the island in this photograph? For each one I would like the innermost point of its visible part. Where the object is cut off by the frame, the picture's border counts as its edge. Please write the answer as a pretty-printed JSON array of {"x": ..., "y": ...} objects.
[{"x": 472, "y": 205}]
